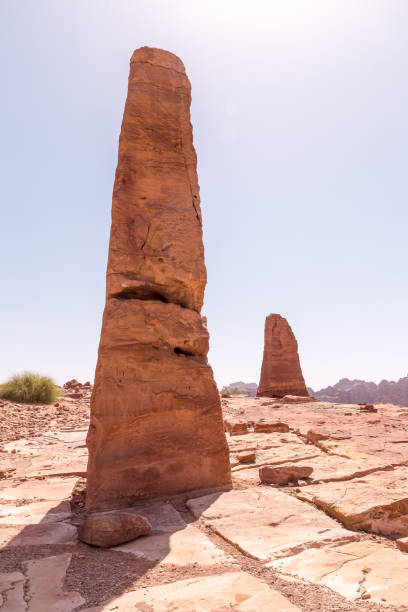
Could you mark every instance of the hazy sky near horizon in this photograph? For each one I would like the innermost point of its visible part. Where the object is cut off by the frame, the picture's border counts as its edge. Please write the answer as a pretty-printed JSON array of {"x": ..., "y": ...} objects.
[{"x": 301, "y": 129}]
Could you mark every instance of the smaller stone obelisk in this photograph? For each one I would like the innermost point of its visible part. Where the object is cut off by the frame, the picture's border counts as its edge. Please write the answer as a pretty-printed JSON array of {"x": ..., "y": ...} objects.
[{"x": 281, "y": 373}]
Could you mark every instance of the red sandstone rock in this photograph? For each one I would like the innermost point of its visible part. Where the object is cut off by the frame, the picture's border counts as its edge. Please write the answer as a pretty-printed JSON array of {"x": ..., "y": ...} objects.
[
  {"x": 368, "y": 408},
  {"x": 246, "y": 457},
  {"x": 156, "y": 426},
  {"x": 402, "y": 544},
  {"x": 281, "y": 373},
  {"x": 71, "y": 384},
  {"x": 236, "y": 427},
  {"x": 296, "y": 399},
  {"x": 267, "y": 426},
  {"x": 107, "y": 529},
  {"x": 283, "y": 474}
]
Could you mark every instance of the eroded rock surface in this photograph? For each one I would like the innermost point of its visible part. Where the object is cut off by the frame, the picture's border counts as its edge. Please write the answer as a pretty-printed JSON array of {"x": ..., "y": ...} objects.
[
  {"x": 377, "y": 502},
  {"x": 357, "y": 570},
  {"x": 281, "y": 373},
  {"x": 236, "y": 591},
  {"x": 156, "y": 427},
  {"x": 172, "y": 541},
  {"x": 267, "y": 524},
  {"x": 359, "y": 459},
  {"x": 45, "y": 579}
]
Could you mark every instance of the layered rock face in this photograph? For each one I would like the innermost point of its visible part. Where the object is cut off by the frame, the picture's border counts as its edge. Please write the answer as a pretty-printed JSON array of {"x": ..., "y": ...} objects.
[
  {"x": 281, "y": 373},
  {"x": 156, "y": 427}
]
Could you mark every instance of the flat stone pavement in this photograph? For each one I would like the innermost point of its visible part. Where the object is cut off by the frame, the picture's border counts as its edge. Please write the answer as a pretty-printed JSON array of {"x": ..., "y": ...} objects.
[{"x": 333, "y": 541}]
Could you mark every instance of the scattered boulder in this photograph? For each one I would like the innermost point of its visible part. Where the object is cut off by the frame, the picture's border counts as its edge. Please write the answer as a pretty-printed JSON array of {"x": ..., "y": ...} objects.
[
  {"x": 236, "y": 427},
  {"x": 246, "y": 457},
  {"x": 71, "y": 384},
  {"x": 265, "y": 426},
  {"x": 284, "y": 474},
  {"x": 107, "y": 529},
  {"x": 296, "y": 399},
  {"x": 402, "y": 544},
  {"x": 76, "y": 390},
  {"x": 368, "y": 408}
]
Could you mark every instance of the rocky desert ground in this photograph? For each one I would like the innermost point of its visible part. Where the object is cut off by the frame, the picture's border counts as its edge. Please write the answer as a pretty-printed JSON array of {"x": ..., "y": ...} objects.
[{"x": 333, "y": 540}]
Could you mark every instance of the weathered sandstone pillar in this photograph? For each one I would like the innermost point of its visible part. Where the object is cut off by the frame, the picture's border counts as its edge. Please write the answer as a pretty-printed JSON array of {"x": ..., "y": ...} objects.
[
  {"x": 281, "y": 373},
  {"x": 156, "y": 426}
]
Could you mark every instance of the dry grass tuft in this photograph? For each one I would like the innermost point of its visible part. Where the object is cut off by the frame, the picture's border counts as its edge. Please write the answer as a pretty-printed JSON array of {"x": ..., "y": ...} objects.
[{"x": 30, "y": 389}]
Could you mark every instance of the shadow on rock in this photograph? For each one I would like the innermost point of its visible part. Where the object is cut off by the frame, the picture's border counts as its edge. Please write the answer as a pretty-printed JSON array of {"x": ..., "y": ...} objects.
[{"x": 43, "y": 564}]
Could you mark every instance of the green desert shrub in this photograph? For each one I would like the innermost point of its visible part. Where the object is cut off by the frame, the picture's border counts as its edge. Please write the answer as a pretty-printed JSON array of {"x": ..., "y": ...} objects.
[
  {"x": 30, "y": 388},
  {"x": 225, "y": 392}
]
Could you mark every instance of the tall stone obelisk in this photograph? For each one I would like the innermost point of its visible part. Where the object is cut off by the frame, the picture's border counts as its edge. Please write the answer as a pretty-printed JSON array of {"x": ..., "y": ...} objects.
[
  {"x": 281, "y": 373},
  {"x": 156, "y": 427}
]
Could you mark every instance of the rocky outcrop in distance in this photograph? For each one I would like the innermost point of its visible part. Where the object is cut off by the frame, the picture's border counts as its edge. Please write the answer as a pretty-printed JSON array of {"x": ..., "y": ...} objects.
[
  {"x": 359, "y": 391},
  {"x": 281, "y": 373},
  {"x": 156, "y": 428}
]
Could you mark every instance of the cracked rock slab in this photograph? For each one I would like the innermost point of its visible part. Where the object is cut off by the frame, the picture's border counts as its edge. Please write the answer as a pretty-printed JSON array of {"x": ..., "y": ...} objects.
[
  {"x": 236, "y": 591},
  {"x": 53, "y": 489},
  {"x": 338, "y": 429},
  {"x": 39, "y": 535},
  {"x": 12, "y": 592},
  {"x": 40, "y": 588},
  {"x": 271, "y": 449},
  {"x": 353, "y": 570},
  {"x": 31, "y": 514},
  {"x": 264, "y": 441},
  {"x": 268, "y": 524},
  {"x": 328, "y": 468},
  {"x": 50, "y": 454},
  {"x": 45, "y": 585},
  {"x": 177, "y": 548},
  {"x": 172, "y": 541},
  {"x": 377, "y": 502}
]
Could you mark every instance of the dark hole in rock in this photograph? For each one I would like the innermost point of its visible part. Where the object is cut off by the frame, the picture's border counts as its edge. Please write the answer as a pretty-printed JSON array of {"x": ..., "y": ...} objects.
[
  {"x": 140, "y": 293},
  {"x": 180, "y": 351}
]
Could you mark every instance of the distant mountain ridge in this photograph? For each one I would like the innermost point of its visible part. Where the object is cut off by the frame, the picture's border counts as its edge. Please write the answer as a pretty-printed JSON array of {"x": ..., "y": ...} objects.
[
  {"x": 249, "y": 388},
  {"x": 348, "y": 391},
  {"x": 358, "y": 391}
]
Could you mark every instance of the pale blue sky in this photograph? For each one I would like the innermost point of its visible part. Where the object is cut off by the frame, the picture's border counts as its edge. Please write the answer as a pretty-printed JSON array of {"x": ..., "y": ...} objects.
[{"x": 300, "y": 125}]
